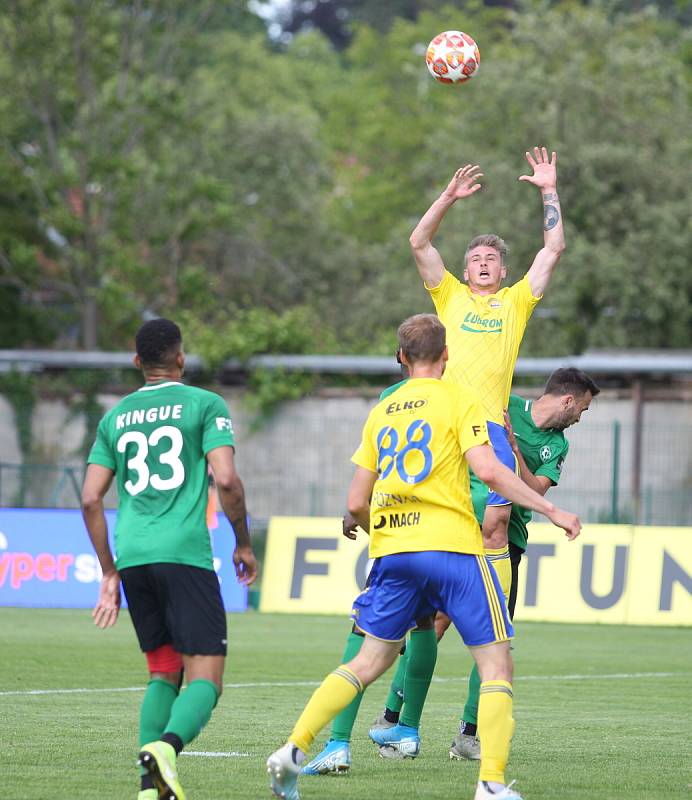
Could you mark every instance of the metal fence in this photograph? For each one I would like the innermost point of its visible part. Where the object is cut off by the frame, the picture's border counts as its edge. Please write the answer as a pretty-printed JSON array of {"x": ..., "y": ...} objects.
[
  {"x": 300, "y": 467},
  {"x": 631, "y": 461}
]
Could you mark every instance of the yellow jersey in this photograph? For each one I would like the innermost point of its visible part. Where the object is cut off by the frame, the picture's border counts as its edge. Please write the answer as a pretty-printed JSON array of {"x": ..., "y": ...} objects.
[
  {"x": 415, "y": 441},
  {"x": 483, "y": 335}
]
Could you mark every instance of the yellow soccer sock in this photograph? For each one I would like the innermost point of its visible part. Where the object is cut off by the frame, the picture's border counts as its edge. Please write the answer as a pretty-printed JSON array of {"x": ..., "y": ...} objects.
[
  {"x": 337, "y": 690},
  {"x": 503, "y": 567},
  {"x": 495, "y": 728}
]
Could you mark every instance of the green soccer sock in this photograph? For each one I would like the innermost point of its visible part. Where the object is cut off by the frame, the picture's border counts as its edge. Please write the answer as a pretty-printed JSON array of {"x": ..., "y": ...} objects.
[
  {"x": 156, "y": 710},
  {"x": 344, "y": 721},
  {"x": 422, "y": 655},
  {"x": 395, "y": 698},
  {"x": 192, "y": 710},
  {"x": 471, "y": 708}
]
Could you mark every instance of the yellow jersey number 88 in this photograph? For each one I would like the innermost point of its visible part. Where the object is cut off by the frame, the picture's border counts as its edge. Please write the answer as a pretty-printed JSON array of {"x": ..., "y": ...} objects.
[{"x": 391, "y": 456}]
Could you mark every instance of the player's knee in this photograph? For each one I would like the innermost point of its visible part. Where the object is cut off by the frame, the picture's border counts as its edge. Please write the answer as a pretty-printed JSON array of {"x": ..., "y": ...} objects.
[
  {"x": 368, "y": 665},
  {"x": 425, "y": 623},
  {"x": 164, "y": 660},
  {"x": 497, "y": 669},
  {"x": 442, "y": 622}
]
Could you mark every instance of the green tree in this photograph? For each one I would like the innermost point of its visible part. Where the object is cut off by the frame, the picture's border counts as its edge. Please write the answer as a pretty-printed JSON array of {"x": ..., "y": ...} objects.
[
  {"x": 173, "y": 160},
  {"x": 100, "y": 90}
]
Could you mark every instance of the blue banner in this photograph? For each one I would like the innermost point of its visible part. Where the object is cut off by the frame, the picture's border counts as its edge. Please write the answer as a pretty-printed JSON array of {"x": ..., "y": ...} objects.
[{"x": 46, "y": 560}]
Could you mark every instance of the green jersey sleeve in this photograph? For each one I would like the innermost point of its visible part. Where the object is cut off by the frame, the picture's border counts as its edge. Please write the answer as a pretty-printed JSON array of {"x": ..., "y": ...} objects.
[
  {"x": 555, "y": 455},
  {"x": 217, "y": 428},
  {"x": 101, "y": 451}
]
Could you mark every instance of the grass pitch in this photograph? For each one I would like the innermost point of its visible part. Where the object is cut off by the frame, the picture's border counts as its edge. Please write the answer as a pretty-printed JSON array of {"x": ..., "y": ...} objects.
[{"x": 602, "y": 712}]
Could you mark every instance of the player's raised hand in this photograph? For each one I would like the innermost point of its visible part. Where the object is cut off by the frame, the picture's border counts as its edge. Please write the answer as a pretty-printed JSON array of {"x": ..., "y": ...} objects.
[
  {"x": 105, "y": 613},
  {"x": 544, "y": 169},
  {"x": 570, "y": 523},
  {"x": 464, "y": 182}
]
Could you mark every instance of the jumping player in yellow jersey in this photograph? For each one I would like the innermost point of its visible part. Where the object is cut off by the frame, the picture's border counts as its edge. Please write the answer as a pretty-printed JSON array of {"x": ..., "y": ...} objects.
[
  {"x": 485, "y": 324},
  {"x": 417, "y": 445}
]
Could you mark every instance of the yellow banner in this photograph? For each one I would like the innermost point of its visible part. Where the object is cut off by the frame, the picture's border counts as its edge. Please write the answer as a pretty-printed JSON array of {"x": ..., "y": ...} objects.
[
  {"x": 311, "y": 567},
  {"x": 611, "y": 574}
]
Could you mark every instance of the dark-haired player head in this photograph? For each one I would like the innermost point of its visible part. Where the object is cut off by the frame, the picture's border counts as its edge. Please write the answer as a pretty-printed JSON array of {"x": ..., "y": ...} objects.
[
  {"x": 159, "y": 350},
  {"x": 567, "y": 395}
]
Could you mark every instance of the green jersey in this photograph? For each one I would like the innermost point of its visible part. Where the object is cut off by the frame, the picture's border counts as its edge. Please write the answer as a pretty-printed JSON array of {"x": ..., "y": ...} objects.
[
  {"x": 156, "y": 440},
  {"x": 544, "y": 452}
]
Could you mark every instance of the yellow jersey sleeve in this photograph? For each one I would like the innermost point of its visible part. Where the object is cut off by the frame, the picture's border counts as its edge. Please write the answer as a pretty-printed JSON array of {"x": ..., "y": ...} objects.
[
  {"x": 523, "y": 298},
  {"x": 366, "y": 454},
  {"x": 444, "y": 291},
  {"x": 472, "y": 428}
]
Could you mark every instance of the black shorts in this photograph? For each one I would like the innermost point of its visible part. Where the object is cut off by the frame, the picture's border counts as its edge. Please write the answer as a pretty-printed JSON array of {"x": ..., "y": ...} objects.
[
  {"x": 515, "y": 554},
  {"x": 176, "y": 604}
]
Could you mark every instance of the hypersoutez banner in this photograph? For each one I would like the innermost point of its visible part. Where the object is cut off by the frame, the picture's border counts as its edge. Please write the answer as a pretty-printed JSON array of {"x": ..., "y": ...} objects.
[
  {"x": 611, "y": 573},
  {"x": 46, "y": 559}
]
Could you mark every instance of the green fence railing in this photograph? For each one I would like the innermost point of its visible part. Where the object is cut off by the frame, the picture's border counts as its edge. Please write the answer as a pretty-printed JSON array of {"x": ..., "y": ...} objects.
[{"x": 40, "y": 485}]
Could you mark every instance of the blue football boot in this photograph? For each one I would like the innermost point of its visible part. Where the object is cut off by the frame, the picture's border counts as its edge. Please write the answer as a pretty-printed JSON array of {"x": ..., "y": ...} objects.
[
  {"x": 401, "y": 741},
  {"x": 335, "y": 758}
]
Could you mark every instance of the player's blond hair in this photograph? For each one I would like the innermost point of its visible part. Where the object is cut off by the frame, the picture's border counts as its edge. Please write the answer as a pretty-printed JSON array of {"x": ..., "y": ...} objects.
[
  {"x": 488, "y": 240},
  {"x": 422, "y": 337}
]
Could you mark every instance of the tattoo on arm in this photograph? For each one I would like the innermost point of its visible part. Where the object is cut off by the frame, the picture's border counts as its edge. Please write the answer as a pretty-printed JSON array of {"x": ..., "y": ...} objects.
[
  {"x": 549, "y": 196},
  {"x": 551, "y": 217},
  {"x": 242, "y": 534}
]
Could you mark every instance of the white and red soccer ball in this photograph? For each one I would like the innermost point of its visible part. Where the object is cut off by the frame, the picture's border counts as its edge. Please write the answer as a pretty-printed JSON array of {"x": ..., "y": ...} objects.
[{"x": 453, "y": 57}]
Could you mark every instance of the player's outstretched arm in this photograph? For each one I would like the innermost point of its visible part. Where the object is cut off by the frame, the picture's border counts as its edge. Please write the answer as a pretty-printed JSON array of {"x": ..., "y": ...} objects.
[
  {"x": 485, "y": 464},
  {"x": 545, "y": 178},
  {"x": 429, "y": 262},
  {"x": 232, "y": 500},
  {"x": 96, "y": 483}
]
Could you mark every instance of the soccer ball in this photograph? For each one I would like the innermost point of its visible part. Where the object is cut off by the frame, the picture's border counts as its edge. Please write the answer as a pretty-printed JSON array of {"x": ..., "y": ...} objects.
[{"x": 453, "y": 57}]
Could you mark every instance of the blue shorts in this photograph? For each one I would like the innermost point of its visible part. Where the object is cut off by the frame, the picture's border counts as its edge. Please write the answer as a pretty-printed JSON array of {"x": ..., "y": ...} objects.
[
  {"x": 404, "y": 587},
  {"x": 503, "y": 450}
]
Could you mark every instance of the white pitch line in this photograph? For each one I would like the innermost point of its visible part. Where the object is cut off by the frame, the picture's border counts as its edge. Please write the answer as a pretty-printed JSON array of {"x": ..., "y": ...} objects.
[
  {"x": 30, "y": 692},
  {"x": 279, "y": 684},
  {"x": 610, "y": 676},
  {"x": 260, "y": 684},
  {"x": 214, "y": 755}
]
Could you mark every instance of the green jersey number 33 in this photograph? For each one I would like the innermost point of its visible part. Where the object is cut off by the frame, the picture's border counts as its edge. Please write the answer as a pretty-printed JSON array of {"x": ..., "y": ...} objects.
[{"x": 171, "y": 458}]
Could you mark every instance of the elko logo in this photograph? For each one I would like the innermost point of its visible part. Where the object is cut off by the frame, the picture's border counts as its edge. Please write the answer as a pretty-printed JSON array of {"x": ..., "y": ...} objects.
[{"x": 408, "y": 406}]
